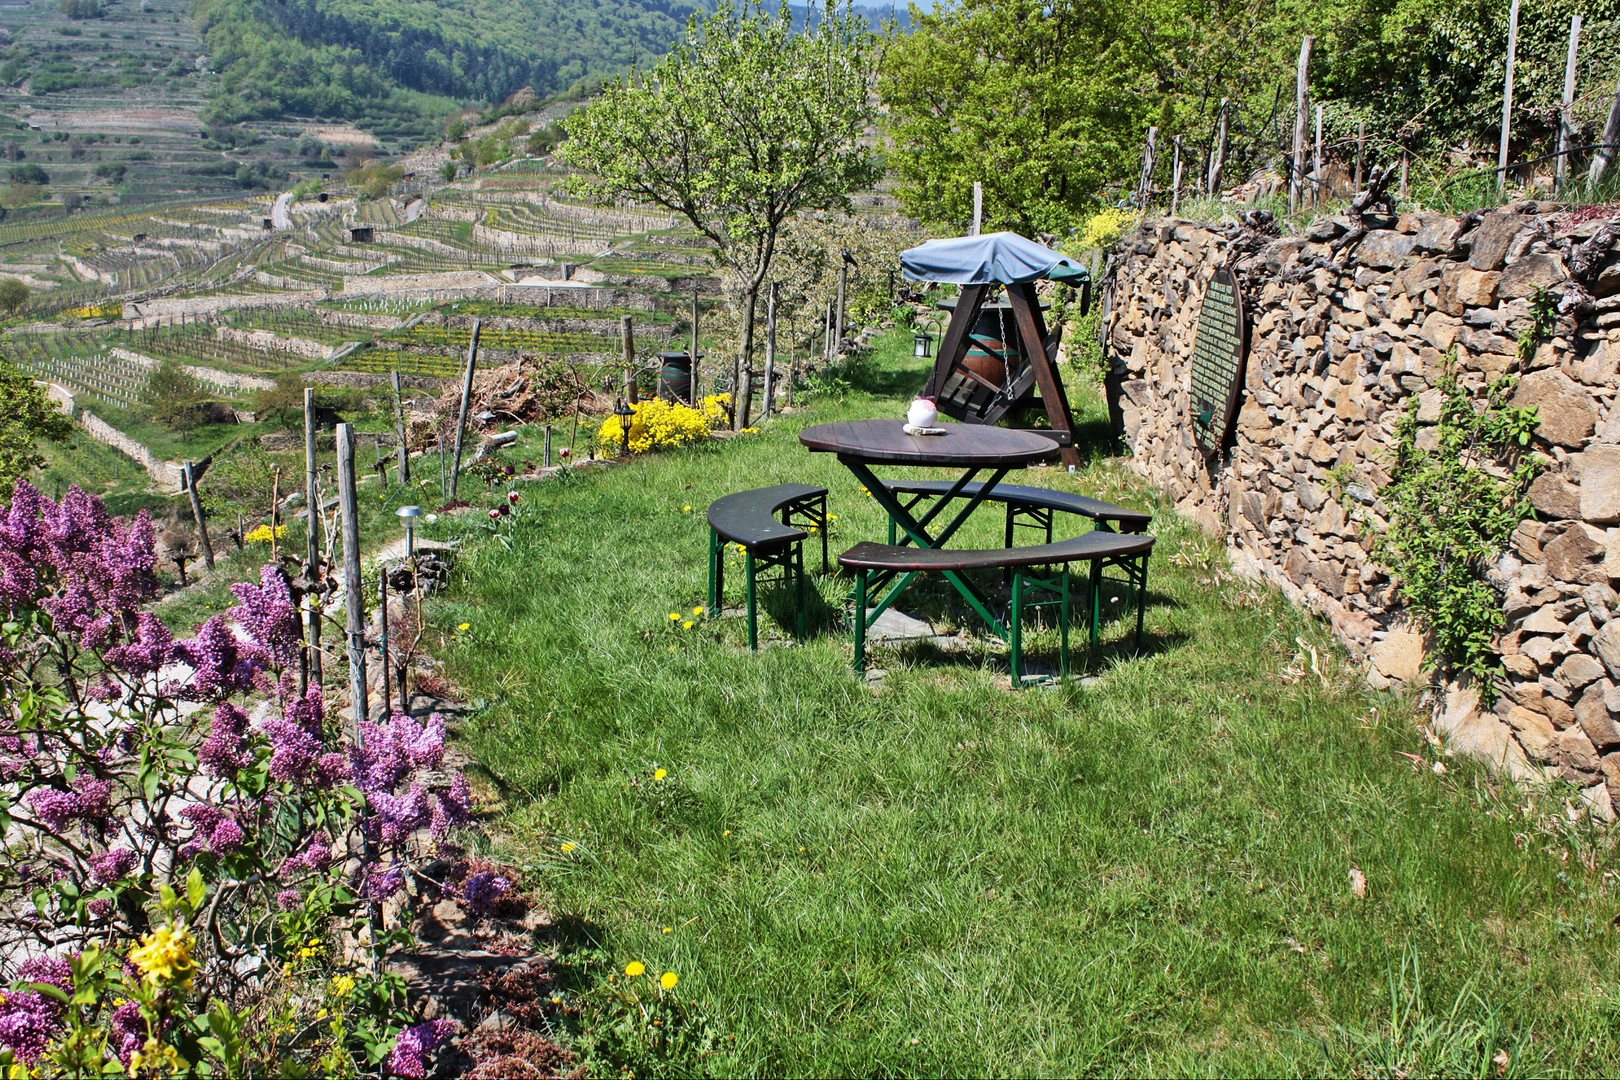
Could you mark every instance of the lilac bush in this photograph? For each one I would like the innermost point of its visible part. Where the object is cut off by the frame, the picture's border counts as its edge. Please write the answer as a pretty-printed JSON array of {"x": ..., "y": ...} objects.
[{"x": 185, "y": 832}]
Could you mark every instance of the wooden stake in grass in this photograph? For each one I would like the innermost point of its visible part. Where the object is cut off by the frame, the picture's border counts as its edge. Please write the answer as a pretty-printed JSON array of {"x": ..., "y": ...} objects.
[
  {"x": 1565, "y": 114},
  {"x": 312, "y": 550},
  {"x": 546, "y": 460},
  {"x": 1302, "y": 108},
  {"x": 197, "y": 515},
  {"x": 627, "y": 345},
  {"x": 1175, "y": 180},
  {"x": 770, "y": 354},
  {"x": 399, "y": 425},
  {"x": 1507, "y": 99},
  {"x": 1217, "y": 160},
  {"x": 354, "y": 602},
  {"x": 466, "y": 400}
]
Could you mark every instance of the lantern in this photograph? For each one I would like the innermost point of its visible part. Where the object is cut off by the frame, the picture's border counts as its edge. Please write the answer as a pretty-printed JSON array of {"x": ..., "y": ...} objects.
[{"x": 627, "y": 417}]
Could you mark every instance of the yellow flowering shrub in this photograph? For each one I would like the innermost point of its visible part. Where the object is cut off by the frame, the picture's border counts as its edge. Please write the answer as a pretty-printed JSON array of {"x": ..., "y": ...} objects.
[
  {"x": 262, "y": 534},
  {"x": 659, "y": 423},
  {"x": 164, "y": 956},
  {"x": 1104, "y": 228}
]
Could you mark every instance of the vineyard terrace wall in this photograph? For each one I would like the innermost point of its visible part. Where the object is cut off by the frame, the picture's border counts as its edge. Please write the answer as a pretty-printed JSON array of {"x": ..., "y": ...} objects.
[{"x": 1339, "y": 346}]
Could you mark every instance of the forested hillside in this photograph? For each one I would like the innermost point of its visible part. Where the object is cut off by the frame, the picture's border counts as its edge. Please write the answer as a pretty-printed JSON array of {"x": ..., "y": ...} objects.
[{"x": 394, "y": 63}]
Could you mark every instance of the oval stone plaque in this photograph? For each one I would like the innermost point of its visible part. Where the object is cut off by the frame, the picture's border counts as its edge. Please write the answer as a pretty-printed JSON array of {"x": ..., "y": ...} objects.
[{"x": 1218, "y": 357}]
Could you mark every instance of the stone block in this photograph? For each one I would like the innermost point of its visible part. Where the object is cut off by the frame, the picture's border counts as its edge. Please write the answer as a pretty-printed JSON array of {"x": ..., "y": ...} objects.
[
  {"x": 1536, "y": 732},
  {"x": 1575, "y": 749},
  {"x": 1476, "y": 288},
  {"x": 1555, "y": 497},
  {"x": 1593, "y": 715},
  {"x": 1384, "y": 249},
  {"x": 1566, "y": 409},
  {"x": 1493, "y": 237},
  {"x": 1578, "y": 671},
  {"x": 1578, "y": 555},
  {"x": 1530, "y": 273},
  {"x": 1600, "y": 484},
  {"x": 1440, "y": 330},
  {"x": 1438, "y": 235},
  {"x": 1606, "y": 644},
  {"x": 1399, "y": 656}
]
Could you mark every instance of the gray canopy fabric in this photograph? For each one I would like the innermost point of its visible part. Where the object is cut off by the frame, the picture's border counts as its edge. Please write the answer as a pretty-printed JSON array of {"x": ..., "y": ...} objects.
[{"x": 1004, "y": 257}]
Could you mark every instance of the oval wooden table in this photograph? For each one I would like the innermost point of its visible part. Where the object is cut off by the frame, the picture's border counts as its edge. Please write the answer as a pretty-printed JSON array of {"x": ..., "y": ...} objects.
[{"x": 860, "y": 444}]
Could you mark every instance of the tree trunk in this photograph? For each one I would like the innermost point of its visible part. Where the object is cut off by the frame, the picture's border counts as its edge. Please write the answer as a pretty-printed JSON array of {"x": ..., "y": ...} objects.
[{"x": 743, "y": 386}]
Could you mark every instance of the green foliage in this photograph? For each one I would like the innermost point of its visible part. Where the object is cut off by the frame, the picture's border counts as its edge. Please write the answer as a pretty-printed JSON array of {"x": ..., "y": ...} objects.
[
  {"x": 13, "y": 294},
  {"x": 1453, "y": 509},
  {"x": 27, "y": 174},
  {"x": 240, "y": 481},
  {"x": 373, "y": 181},
  {"x": 26, "y": 416},
  {"x": 174, "y": 398},
  {"x": 81, "y": 9},
  {"x": 404, "y": 64},
  {"x": 745, "y": 124}
]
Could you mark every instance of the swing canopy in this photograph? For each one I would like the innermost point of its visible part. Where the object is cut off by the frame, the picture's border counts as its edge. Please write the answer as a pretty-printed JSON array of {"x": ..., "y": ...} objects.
[{"x": 1003, "y": 257}]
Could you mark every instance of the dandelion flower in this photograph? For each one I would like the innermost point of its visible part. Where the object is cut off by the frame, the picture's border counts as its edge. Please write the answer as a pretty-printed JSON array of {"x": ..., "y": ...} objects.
[
  {"x": 465, "y": 626},
  {"x": 697, "y": 611},
  {"x": 667, "y": 930},
  {"x": 635, "y": 969},
  {"x": 669, "y": 980},
  {"x": 688, "y": 624},
  {"x": 569, "y": 846},
  {"x": 674, "y": 616},
  {"x": 687, "y": 509},
  {"x": 726, "y": 833},
  {"x": 659, "y": 774}
]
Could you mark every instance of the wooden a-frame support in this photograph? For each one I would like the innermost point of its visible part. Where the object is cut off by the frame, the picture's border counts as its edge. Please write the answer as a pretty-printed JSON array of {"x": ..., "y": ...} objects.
[{"x": 1042, "y": 353}]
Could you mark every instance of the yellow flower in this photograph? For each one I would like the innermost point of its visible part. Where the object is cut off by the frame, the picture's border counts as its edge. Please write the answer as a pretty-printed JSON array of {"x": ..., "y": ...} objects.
[
  {"x": 569, "y": 846},
  {"x": 164, "y": 955},
  {"x": 687, "y": 509},
  {"x": 669, "y": 980},
  {"x": 342, "y": 985},
  {"x": 697, "y": 611},
  {"x": 832, "y": 517},
  {"x": 155, "y": 1057},
  {"x": 635, "y": 969},
  {"x": 726, "y": 833},
  {"x": 659, "y": 774},
  {"x": 321, "y": 1015},
  {"x": 667, "y": 930},
  {"x": 465, "y": 626},
  {"x": 688, "y": 624}
]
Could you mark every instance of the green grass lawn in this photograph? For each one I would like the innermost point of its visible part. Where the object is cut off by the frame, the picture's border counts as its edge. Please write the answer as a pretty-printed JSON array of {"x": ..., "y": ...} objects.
[{"x": 1150, "y": 873}]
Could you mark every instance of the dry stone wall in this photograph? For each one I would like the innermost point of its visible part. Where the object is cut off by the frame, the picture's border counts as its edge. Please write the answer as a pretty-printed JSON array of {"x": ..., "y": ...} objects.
[{"x": 1339, "y": 346}]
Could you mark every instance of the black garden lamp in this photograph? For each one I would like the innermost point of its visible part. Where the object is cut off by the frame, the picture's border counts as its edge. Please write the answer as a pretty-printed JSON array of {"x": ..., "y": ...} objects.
[
  {"x": 922, "y": 344},
  {"x": 627, "y": 416}
]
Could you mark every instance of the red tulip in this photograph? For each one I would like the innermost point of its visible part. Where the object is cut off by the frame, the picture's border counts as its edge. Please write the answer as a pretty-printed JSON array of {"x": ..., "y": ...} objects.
[{"x": 511, "y": 496}]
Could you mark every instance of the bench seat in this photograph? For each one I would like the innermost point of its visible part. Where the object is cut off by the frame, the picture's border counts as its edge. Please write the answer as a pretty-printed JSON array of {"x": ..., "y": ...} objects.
[
  {"x": 1022, "y": 495},
  {"x": 749, "y": 520},
  {"x": 1091, "y": 545}
]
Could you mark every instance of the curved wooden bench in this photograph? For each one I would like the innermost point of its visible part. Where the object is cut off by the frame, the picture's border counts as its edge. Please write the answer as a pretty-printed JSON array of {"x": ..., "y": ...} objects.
[
  {"x": 1126, "y": 551},
  {"x": 748, "y": 519},
  {"x": 1036, "y": 504}
]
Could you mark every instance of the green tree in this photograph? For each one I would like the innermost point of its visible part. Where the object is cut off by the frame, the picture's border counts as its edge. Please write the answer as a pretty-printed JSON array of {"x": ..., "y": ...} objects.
[
  {"x": 174, "y": 398},
  {"x": 26, "y": 416},
  {"x": 13, "y": 294},
  {"x": 1032, "y": 99},
  {"x": 283, "y": 403},
  {"x": 742, "y": 126}
]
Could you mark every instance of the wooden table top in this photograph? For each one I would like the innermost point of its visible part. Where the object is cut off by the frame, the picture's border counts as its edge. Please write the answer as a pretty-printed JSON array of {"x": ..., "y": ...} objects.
[{"x": 962, "y": 446}]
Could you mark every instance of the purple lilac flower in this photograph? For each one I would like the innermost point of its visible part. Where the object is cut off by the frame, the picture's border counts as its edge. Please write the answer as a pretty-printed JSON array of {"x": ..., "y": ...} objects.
[
  {"x": 114, "y": 865},
  {"x": 217, "y": 832},
  {"x": 29, "y": 1020},
  {"x": 396, "y": 818},
  {"x": 294, "y": 752},
  {"x": 317, "y": 855},
  {"x": 89, "y": 802},
  {"x": 382, "y": 883},
  {"x": 148, "y": 649},
  {"x": 222, "y": 665},
  {"x": 415, "y": 1044},
  {"x": 452, "y": 809},
  {"x": 484, "y": 890},
  {"x": 289, "y": 899},
  {"x": 225, "y": 752},
  {"x": 128, "y": 1031},
  {"x": 270, "y": 617},
  {"x": 100, "y": 907},
  {"x": 388, "y": 752}
]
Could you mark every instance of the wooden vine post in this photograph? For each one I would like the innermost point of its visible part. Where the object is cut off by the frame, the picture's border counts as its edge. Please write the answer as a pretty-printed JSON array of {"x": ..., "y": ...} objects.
[
  {"x": 466, "y": 401},
  {"x": 354, "y": 598},
  {"x": 627, "y": 345},
  {"x": 1567, "y": 112},
  {"x": 1175, "y": 179},
  {"x": 197, "y": 515},
  {"x": 399, "y": 424},
  {"x": 312, "y": 544},
  {"x": 1144, "y": 183},
  {"x": 1507, "y": 99},
  {"x": 1302, "y": 108},
  {"x": 1217, "y": 159}
]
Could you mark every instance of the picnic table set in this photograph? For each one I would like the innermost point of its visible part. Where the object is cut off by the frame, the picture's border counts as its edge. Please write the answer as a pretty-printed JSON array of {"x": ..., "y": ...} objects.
[{"x": 771, "y": 524}]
